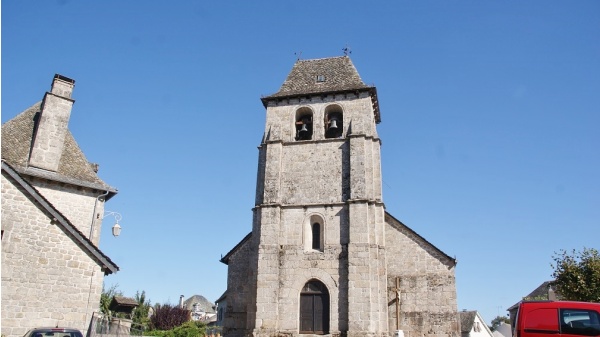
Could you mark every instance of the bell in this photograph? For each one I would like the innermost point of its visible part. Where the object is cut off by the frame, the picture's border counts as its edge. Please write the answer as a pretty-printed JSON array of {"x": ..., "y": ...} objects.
[
  {"x": 304, "y": 129},
  {"x": 333, "y": 124}
]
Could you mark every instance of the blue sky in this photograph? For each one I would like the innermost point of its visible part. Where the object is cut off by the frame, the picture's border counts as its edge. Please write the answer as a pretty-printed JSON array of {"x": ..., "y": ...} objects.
[{"x": 490, "y": 123}]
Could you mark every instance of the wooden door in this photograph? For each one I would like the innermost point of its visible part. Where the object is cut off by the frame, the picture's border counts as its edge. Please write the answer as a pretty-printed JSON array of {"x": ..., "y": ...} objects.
[{"x": 314, "y": 309}]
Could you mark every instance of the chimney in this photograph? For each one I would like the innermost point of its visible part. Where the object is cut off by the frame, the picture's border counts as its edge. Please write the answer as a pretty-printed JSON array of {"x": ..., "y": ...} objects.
[
  {"x": 551, "y": 294},
  {"x": 52, "y": 125}
]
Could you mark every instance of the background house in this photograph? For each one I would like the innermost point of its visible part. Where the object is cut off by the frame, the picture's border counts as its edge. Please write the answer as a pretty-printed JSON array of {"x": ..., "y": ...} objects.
[
  {"x": 544, "y": 291},
  {"x": 473, "y": 325},
  {"x": 503, "y": 330},
  {"x": 52, "y": 210}
]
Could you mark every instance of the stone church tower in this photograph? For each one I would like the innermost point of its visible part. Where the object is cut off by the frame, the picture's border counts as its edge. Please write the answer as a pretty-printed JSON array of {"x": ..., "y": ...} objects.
[{"x": 323, "y": 256}]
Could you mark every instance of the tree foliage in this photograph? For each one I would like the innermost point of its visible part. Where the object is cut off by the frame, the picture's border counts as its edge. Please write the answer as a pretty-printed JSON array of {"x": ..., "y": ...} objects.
[
  {"x": 106, "y": 297},
  {"x": 497, "y": 321},
  {"x": 577, "y": 275},
  {"x": 140, "y": 314},
  {"x": 167, "y": 317}
]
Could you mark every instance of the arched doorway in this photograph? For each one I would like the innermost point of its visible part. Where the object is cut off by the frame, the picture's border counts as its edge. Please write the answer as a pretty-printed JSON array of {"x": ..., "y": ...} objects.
[{"x": 314, "y": 308}]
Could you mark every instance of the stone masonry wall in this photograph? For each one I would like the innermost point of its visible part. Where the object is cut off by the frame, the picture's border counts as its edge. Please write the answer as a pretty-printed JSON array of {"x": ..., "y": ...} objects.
[
  {"x": 76, "y": 203},
  {"x": 300, "y": 182},
  {"x": 428, "y": 304},
  {"x": 239, "y": 279},
  {"x": 47, "y": 279},
  {"x": 318, "y": 171},
  {"x": 299, "y": 263}
]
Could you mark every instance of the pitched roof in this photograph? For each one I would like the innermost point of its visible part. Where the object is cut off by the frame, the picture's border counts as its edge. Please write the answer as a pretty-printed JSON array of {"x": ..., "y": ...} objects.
[
  {"x": 123, "y": 304},
  {"x": 74, "y": 168},
  {"x": 323, "y": 76},
  {"x": 539, "y": 293},
  {"x": 225, "y": 259},
  {"x": 71, "y": 230},
  {"x": 467, "y": 319}
]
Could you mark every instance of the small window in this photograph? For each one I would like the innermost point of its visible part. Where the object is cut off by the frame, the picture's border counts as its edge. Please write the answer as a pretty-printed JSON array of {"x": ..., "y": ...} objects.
[
  {"x": 316, "y": 236},
  {"x": 320, "y": 78},
  {"x": 313, "y": 234}
]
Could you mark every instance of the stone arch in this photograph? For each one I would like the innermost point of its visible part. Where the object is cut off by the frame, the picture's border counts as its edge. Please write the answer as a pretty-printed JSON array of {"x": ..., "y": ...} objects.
[
  {"x": 314, "y": 232},
  {"x": 303, "y": 123},
  {"x": 293, "y": 288},
  {"x": 334, "y": 121},
  {"x": 314, "y": 308}
]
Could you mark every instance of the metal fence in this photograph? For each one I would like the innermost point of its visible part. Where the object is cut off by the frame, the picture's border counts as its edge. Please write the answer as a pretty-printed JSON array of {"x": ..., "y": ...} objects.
[{"x": 103, "y": 326}]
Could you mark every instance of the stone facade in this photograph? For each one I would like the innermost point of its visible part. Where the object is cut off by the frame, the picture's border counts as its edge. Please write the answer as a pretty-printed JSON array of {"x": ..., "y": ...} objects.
[
  {"x": 46, "y": 278},
  {"x": 323, "y": 254},
  {"x": 52, "y": 208}
]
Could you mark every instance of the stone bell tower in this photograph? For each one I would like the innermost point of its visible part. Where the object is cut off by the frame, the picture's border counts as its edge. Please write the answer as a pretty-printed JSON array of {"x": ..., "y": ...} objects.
[{"x": 317, "y": 244}]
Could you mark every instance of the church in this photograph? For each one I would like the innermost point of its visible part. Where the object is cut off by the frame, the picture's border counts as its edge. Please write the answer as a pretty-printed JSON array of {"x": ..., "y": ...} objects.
[{"x": 324, "y": 257}]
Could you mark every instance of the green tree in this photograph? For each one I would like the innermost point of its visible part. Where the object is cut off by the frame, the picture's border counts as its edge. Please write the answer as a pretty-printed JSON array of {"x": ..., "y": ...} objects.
[
  {"x": 577, "y": 275},
  {"x": 106, "y": 297},
  {"x": 140, "y": 313},
  {"x": 496, "y": 322}
]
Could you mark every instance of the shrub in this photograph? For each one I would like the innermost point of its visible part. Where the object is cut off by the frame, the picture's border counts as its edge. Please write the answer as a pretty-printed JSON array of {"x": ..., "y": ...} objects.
[
  {"x": 167, "y": 317},
  {"x": 187, "y": 329}
]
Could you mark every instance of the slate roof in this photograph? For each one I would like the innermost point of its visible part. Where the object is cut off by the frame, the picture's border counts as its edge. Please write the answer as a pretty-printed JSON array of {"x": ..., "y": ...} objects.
[
  {"x": 206, "y": 305},
  {"x": 539, "y": 293},
  {"x": 74, "y": 168},
  {"x": 467, "y": 319},
  {"x": 338, "y": 76},
  {"x": 225, "y": 259},
  {"x": 108, "y": 266},
  {"x": 123, "y": 304}
]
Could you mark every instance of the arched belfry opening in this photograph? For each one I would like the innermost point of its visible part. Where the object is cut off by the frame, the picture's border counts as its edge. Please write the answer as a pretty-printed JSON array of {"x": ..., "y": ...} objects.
[
  {"x": 304, "y": 124},
  {"x": 314, "y": 308},
  {"x": 334, "y": 122}
]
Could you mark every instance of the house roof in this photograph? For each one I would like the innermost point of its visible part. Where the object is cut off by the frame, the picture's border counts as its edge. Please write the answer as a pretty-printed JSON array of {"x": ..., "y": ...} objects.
[
  {"x": 68, "y": 228},
  {"x": 123, "y": 304},
  {"x": 421, "y": 240},
  {"x": 539, "y": 293},
  {"x": 225, "y": 259},
  {"x": 323, "y": 76},
  {"x": 222, "y": 297},
  {"x": 467, "y": 319},
  {"x": 74, "y": 168}
]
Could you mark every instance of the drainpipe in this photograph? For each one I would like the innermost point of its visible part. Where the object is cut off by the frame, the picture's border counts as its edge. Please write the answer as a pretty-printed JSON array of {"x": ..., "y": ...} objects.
[{"x": 101, "y": 196}]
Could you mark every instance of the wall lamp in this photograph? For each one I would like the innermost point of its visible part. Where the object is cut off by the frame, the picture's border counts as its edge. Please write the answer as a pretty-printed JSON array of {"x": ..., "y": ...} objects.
[{"x": 116, "y": 229}]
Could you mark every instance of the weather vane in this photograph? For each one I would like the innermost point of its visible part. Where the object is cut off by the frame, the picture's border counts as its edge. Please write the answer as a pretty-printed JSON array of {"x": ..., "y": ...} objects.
[
  {"x": 299, "y": 54},
  {"x": 347, "y": 50}
]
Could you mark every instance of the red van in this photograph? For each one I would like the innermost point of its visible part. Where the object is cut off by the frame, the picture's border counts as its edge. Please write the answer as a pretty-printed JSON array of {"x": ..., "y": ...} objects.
[{"x": 557, "y": 318}]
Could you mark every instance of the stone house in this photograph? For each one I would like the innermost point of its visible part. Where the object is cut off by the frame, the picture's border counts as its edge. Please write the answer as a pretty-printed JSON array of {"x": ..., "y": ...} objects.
[
  {"x": 52, "y": 210},
  {"x": 324, "y": 257}
]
